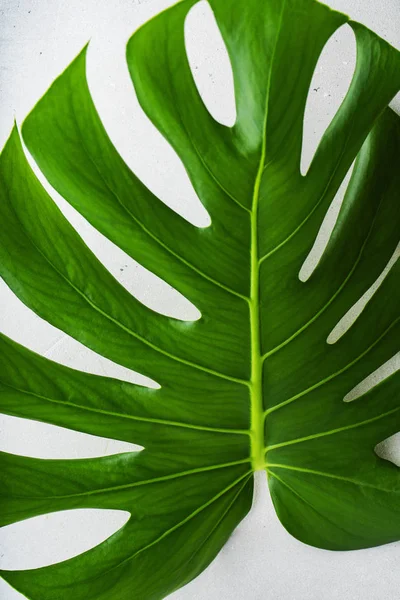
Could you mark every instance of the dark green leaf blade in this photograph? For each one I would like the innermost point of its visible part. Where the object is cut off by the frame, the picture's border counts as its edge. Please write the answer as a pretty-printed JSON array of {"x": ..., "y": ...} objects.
[
  {"x": 251, "y": 385},
  {"x": 162, "y": 535}
]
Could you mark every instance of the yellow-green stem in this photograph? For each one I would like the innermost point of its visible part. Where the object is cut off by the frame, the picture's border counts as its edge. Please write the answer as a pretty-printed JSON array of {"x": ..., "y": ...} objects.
[
  {"x": 257, "y": 404},
  {"x": 257, "y": 408}
]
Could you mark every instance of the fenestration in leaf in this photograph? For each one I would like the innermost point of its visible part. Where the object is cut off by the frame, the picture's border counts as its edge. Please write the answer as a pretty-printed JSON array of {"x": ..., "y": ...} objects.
[{"x": 253, "y": 383}]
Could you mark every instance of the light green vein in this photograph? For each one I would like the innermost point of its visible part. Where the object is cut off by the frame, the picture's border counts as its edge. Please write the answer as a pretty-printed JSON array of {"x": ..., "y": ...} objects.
[
  {"x": 124, "y": 327},
  {"x": 315, "y": 207},
  {"x": 225, "y": 513},
  {"x": 151, "y": 234},
  {"x": 338, "y": 291},
  {"x": 246, "y": 476},
  {"x": 134, "y": 484},
  {"x": 308, "y": 503},
  {"x": 256, "y": 393},
  {"x": 332, "y": 431},
  {"x": 197, "y": 152},
  {"x": 330, "y": 377},
  {"x": 126, "y": 416},
  {"x": 330, "y": 476}
]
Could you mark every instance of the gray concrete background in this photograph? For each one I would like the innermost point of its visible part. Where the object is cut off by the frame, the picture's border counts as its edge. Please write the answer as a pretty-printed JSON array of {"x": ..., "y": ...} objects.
[{"x": 38, "y": 38}]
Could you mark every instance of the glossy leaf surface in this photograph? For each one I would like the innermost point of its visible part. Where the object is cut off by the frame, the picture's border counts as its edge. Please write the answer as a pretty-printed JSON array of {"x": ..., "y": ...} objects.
[{"x": 252, "y": 384}]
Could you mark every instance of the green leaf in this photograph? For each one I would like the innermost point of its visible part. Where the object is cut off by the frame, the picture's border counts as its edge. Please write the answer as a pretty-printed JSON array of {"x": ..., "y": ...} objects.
[{"x": 252, "y": 384}]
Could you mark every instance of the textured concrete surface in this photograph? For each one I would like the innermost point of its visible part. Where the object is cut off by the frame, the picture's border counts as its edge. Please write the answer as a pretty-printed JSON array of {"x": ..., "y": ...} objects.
[{"x": 38, "y": 38}]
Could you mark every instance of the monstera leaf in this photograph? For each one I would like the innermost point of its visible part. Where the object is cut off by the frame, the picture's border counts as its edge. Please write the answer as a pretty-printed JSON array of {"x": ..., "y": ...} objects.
[{"x": 251, "y": 385}]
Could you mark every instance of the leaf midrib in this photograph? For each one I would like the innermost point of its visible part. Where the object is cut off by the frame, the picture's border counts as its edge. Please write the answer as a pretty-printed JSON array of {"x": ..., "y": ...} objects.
[{"x": 256, "y": 381}]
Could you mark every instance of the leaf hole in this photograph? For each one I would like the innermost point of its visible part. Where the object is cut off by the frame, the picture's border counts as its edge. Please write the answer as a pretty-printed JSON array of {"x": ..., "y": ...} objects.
[
  {"x": 325, "y": 230},
  {"x": 138, "y": 141},
  {"x": 71, "y": 353},
  {"x": 31, "y": 544},
  {"x": 210, "y": 65},
  {"x": 329, "y": 85},
  {"x": 389, "y": 449},
  {"x": 22, "y": 325},
  {"x": 25, "y": 437},
  {"x": 379, "y": 375},
  {"x": 145, "y": 286},
  {"x": 354, "y": 312}
]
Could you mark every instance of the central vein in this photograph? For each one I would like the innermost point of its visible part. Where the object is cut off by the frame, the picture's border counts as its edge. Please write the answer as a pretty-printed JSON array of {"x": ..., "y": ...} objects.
[
  {"x": 257, "y": 408},
  {"x": 256, "y": 392}
]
